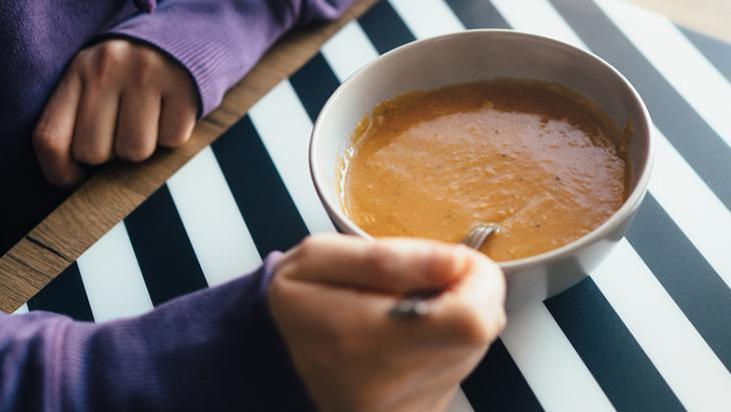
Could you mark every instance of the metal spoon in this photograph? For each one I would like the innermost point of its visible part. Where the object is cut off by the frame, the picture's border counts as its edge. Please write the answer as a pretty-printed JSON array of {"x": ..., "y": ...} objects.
[
  {"x": 416, "y": 305},
  {"x": 479, "y": 234}
]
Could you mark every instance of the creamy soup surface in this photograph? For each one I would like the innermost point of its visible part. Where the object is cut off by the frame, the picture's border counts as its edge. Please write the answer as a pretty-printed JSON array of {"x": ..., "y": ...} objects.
[{"x": 531, "y": 156}]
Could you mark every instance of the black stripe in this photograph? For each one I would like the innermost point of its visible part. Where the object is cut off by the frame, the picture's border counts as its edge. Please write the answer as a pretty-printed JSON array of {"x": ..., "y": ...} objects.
[
  {"x": 66, "y": 295},
  {"x": 704, "y": 150},
  {"x": 716, "y": 51},
  {"x": 692, "y": 283},
  {"x": 497, "y": 384},
  {"x": 314, "y": 83},
  {"x": 166, "y": 257},
  {"x": 384, "y": 28},
  {"x": 478, "y": 14},
  {"x": 262, "y": 198},
  {"x": 615, "y": 359}
]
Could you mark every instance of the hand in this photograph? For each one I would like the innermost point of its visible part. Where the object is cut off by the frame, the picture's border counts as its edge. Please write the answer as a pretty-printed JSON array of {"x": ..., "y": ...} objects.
[
  {"x": 330, "y": 298},
  {"x": 117, "y": 98}
]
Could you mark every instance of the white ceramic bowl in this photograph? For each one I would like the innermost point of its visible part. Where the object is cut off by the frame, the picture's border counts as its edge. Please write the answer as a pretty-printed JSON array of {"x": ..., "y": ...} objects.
[{"x": 480, "y": 55}]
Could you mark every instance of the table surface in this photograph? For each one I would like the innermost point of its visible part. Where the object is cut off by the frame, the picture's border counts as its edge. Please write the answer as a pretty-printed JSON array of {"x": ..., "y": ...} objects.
[
  {"x": 662, "y": 343},
  {"x": 118, "y": 189}
]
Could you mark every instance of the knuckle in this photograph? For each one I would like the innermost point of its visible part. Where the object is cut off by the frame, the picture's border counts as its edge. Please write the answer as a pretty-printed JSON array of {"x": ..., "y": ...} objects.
[
  {"x": 173, "y": 140},
  {"x": 308, "y": 248},
  {"x": 498, "y": 284},
  {"x": 441, "y": 265},
  {"x": 48, "y": 141},
  {"x": 83, "y": 56},
  {"x": 474, "y": 330},
  {"x": 90, "y": 155},
  {"x": 501, "y": 321},
  {"x": 300, "y": 259},
  {"x": 501, "y": 280},
  {"x": 85, "y": 68},
  {"x": 146, "y": 68},
  {"x": 108, "y": 57},
  {"x": 148, "y": 57},
  {"x": 285, "y": 268},
  {"x": 82, "y": 62},
  {"x": 378, "y": 259},
  {"x": 134, "y": 151}
]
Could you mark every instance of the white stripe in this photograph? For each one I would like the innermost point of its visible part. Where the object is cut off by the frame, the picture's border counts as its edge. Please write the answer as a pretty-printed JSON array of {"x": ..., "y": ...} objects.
[
  {"x": 673, "y": 55},
  {"x": 21, "y": 310},
  {"x": 460, "y": 403},
  {"x": 677, "y": 350},
  {"x": 549, "y": 363},
  {"x": 285, "y": 128},
  {"x": 693, "y": 206},
  {"x": 345, "y": 57},
  {"x": 674, "y": 183},
  {"x": 537, "y": 17},
  {"x": 112, "y": 277},
  {"x": 352, "y": 48},
  {"x": 430, "y": 18},
  {"x": 220, "y": 238}
]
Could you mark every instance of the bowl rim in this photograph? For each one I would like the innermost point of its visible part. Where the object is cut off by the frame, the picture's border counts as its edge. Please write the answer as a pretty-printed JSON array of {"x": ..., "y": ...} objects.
[{"x": 630, "y": 204}]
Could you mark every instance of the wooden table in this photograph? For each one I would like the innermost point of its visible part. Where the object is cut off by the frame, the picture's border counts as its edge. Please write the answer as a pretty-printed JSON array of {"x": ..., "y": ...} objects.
[{"x": 117, "y": 189}]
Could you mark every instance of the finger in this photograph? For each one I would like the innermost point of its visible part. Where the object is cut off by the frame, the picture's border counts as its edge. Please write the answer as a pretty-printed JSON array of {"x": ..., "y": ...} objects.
[
  {"x": 389, "y": 265},
  {"x": 96, "y": 119},
  {"x": 139, "y": 114},
  {"x": 305, "y": 308},
  {"x": 177, "y": 120},
  {"x": 353, "y": 318},
  {"x": 54, "y": 132},
  {"x": 473, "y": 310},
  {"x": 327, "y": 303}
]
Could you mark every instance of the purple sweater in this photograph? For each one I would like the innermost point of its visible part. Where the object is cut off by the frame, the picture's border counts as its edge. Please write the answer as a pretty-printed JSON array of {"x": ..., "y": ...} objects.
[
  {"x": 215, "y": 350},
  {"x": 217, "y": 41}
]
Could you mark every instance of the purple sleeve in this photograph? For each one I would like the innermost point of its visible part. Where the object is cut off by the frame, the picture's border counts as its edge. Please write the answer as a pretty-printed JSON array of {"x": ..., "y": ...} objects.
[
  {"x": 216, "y": 349},
  {"x": 219, "y": 41}
]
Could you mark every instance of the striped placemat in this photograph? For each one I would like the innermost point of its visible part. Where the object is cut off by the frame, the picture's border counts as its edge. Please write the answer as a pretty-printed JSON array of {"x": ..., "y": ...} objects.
[{"x": 649, "y": 330}]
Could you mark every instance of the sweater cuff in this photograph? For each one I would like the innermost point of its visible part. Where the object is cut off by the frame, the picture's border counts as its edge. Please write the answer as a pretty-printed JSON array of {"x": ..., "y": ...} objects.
[{"x": 216, "y": 41}]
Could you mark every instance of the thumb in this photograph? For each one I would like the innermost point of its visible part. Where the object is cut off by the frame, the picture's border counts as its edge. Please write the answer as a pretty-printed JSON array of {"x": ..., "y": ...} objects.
[{"x": 394, "y": 265}]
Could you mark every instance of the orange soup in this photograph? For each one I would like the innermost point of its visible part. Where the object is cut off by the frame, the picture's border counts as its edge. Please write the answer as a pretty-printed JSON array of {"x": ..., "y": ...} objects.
[{"x": 534, "y": 157}]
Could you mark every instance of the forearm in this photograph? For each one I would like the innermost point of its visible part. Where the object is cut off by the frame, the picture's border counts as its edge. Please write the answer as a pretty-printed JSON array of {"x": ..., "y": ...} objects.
[{"x": 215, "y": 349}]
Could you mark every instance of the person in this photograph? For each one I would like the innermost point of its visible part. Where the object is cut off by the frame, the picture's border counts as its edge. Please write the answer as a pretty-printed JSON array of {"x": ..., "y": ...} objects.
[
  {"x": 309, "y": 329},
  {"x": 86, "y": 81}
]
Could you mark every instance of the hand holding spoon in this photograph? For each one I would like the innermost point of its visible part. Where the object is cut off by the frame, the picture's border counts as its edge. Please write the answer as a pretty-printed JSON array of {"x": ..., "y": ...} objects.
[{"x": 417, "y": 305}]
